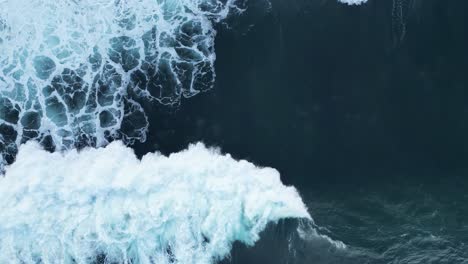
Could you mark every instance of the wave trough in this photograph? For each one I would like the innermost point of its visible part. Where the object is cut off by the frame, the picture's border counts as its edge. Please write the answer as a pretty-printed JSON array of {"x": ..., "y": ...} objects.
[{"x": 76, "y": 207}]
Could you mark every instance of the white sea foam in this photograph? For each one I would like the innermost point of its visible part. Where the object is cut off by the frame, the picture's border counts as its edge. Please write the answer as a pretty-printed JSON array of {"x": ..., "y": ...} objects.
[
  {"x": 353, "y": 2},
  {"x": 75, "y": 71},
  {"x": 186, "y": 208}
]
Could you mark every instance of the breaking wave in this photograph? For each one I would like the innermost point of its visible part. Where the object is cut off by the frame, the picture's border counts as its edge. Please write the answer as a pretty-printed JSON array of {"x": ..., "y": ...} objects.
[
  {"x": 78, "y": 207},
  {"x": 73, "y": 72}
]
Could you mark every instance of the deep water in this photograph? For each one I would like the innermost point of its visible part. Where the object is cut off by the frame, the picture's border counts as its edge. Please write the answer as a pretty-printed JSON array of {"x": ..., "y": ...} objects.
[{"x": 362, "y": 108}]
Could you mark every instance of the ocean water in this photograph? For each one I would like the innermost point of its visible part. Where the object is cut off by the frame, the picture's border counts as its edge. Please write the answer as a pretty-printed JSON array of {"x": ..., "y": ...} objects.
[{"x": 331, "y": 131}]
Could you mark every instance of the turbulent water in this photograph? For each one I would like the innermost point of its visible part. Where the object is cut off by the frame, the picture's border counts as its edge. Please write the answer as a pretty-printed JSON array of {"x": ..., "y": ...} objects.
[
  {"x": 72, "y": 72},
  {"x": 186, "y": 208},
  {"x": 360, "y": 104}
]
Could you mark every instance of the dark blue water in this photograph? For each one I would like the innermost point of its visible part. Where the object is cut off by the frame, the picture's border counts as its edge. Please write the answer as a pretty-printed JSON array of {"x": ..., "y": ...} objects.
[{"x": 364, "y": 109}]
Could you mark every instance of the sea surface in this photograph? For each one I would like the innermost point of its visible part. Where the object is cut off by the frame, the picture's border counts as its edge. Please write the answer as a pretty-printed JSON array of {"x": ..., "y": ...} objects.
[{"x": 362, "y": 108}]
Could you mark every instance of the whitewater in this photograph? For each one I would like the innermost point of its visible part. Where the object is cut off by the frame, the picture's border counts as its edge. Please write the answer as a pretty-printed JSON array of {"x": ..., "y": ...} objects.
[{"x": 189, "y": 207}]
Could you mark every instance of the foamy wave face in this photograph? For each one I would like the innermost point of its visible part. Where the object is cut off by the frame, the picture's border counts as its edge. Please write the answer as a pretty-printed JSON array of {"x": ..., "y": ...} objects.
[
  {"x": 70, "y": 70},
  {"x": 186, "y": 208}
]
